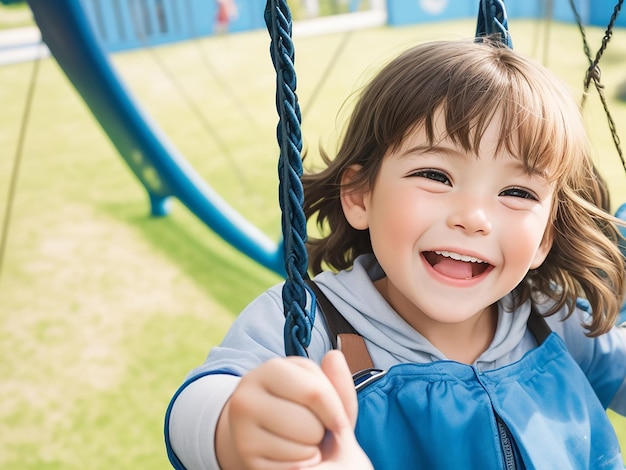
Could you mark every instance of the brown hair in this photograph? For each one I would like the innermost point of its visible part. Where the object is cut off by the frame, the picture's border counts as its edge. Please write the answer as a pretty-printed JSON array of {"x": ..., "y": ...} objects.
[{"x": 541, "y": 123}]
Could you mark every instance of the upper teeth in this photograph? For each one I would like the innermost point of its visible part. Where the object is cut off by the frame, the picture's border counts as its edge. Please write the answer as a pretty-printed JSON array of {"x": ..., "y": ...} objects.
[{"x": 458, "y": 257}]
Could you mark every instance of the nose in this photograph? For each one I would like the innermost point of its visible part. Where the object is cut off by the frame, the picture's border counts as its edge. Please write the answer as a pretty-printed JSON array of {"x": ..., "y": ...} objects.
[{"x": 471, "y": 216}]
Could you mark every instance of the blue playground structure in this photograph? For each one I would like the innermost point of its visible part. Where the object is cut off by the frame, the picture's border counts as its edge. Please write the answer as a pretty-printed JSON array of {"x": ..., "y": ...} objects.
[{"x": 68, "y": 33}]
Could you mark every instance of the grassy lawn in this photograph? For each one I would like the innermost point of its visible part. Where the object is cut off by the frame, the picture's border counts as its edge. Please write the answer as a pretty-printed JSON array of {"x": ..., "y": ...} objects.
[
  {"x": 15, "y": 15},
  {"x": 103, "y": 310}
]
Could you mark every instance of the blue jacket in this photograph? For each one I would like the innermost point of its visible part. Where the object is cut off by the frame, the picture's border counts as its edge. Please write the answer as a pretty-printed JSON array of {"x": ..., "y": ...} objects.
[{"x": 527, "y": 415}]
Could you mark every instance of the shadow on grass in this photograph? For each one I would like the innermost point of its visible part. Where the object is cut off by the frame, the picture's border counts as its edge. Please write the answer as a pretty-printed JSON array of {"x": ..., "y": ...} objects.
[{"x": 228, "y": 276}]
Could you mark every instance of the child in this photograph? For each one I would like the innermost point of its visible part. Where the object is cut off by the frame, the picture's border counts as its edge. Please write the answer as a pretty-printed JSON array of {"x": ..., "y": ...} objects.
[
  {"x": 226, "y": 12},
  {"x": 458, "y": 213}
]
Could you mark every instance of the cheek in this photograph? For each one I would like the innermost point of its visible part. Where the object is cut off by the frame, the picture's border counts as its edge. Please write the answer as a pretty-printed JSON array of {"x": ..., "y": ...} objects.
[
  {"x": 399, "y": 215},
  {"x": 524, "y": 239}
]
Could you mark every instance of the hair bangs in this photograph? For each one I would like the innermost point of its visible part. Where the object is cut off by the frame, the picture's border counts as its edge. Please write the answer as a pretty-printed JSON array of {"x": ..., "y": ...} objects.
[
  {"x": 533, "y": 123},
  {"x": 534, "y": 130}
]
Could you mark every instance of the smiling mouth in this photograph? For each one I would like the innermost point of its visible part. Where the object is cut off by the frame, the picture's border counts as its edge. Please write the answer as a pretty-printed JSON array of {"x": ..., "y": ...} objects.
[{"x": 455, "y": 265}]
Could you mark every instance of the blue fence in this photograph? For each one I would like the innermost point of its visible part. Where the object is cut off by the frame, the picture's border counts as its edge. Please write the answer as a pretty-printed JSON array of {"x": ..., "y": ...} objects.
[
  {"x": 129, "y": 24},
  {"x": 592, "y": 12}
]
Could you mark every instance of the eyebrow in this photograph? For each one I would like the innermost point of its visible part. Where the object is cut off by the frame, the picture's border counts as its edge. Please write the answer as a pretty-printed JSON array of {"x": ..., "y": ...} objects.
[
  {"x": 453, "y": 152},
  {"x": 419, "y": 149}
]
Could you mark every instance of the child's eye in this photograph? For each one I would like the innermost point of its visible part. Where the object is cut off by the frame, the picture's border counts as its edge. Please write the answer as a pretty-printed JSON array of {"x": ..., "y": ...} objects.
[
  {"x": 435, "y": 175},
  {"x": 519, "y": 192}
]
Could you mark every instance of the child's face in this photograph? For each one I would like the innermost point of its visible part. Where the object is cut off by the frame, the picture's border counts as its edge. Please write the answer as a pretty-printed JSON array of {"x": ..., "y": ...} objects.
[{"x": 453, "y": 232}]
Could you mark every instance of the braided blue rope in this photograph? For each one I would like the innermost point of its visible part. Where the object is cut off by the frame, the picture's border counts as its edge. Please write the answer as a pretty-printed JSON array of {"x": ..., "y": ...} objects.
[
  {"x": 298, "y": 322},
  {"x": 492, "y": 20}
]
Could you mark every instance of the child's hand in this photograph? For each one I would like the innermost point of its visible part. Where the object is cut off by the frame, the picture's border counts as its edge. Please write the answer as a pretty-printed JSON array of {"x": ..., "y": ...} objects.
[
  {"x": 340, "y": 450},
  {"x": 280, "y": 413}
]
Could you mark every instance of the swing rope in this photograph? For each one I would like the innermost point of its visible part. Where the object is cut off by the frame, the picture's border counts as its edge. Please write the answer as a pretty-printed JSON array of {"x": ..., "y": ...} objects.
[
  {"x": 19, "y": 152},
  {"x": 298, "y": 322},
  {"x": 326, "y": 73},
  {"x": 593, "y": 73},
  {"x": 492, "y": 21}
]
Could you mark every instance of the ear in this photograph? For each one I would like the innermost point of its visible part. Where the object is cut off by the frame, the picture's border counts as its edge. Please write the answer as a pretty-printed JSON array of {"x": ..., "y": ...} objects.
[
  {"x": 543, "y": 249},
  {"x": 353, "y": 200}
]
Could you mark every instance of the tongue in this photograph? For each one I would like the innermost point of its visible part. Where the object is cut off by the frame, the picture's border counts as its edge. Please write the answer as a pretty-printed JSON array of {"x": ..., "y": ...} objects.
[{"x": 453, "y": 268}]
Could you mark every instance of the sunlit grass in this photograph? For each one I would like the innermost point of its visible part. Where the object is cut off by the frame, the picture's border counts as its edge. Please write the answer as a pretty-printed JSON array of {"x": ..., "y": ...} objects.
[{"x": 15, "y": 15}]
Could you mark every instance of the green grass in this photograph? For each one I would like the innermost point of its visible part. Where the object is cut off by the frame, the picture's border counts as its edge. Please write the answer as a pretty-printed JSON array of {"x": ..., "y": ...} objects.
[
  {"x": 15, "y": 15},
  {"x": 103, "y": 310}
]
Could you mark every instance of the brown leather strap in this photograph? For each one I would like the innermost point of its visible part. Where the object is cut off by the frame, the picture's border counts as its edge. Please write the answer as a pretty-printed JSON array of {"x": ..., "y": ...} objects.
[
  {"x": 342, "y": 335},
  {"x": 354, "y": 349}
]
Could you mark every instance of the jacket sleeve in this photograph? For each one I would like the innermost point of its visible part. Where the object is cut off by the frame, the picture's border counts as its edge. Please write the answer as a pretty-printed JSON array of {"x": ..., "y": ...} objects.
[
  {"x": 602, "y": 358},
  {"x": 191, "y": 419}
]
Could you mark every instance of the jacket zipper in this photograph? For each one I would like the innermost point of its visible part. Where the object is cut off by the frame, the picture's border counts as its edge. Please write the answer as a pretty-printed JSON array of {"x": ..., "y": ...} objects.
[{"x": 506, "y": 444}]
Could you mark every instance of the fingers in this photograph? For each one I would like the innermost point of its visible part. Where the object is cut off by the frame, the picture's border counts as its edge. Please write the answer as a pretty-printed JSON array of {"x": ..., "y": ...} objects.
[
  {"x": 280, "y": 413},
  {"x": 242, "y": 443},
  {"x": 277, "y": 414},
  {"x": 340, "y": 449},
  {"x": 262, "y": 449},
  {"x": 335, "y": 367},
  {"x": 303, "y": 382}
]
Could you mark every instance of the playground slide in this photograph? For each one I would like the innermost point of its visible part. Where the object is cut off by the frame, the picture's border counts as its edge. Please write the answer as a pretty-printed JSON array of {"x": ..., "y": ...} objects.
[{"x": 153, "y": 159}]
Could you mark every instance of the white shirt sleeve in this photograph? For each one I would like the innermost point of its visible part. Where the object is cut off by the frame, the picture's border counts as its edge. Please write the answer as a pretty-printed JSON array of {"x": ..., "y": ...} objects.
[{"x": 193, "y": 419}]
